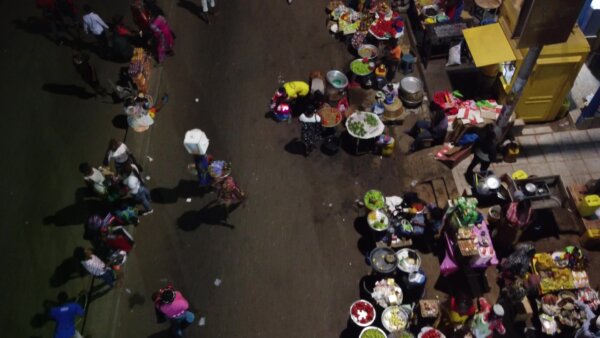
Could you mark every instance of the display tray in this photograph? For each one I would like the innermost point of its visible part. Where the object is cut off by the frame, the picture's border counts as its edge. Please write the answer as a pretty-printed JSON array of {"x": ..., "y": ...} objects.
[{"x": 555, "y": 278}]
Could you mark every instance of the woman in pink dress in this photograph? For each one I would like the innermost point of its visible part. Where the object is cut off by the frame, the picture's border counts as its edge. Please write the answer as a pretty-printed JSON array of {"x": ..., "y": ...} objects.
[{"x": 163, "y": 36}]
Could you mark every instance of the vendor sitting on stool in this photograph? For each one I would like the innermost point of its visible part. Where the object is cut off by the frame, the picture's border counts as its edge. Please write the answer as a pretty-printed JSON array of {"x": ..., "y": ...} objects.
[{"x": 434, "y": 130}]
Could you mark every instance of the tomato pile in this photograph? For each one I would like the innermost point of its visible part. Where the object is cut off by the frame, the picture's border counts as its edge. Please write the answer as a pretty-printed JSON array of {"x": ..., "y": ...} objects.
[
  {"x": 431, "y": 334},
  {"x": 362, "y": 312}
]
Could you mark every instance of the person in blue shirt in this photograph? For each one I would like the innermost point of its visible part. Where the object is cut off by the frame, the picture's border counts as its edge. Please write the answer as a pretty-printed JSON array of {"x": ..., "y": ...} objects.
[{"x": 64, "y": 315}]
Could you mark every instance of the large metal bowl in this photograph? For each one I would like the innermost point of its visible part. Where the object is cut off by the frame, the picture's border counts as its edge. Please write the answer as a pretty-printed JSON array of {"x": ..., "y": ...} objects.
[
  {"x": 368, "y": 51},
  {"x": 411, "y": 85},
  {"x": 337, "y": 79},
  {"x": 411, "y": 91}
]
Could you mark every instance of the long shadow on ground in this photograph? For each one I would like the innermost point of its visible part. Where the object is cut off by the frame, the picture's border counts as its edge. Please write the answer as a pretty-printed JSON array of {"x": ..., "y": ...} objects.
[
  {"x": 184, "y": 189},
  {"x": 85, "y": 205},
  {"x": 211, "y": 214},
  {"x": 69, "y": 90}
]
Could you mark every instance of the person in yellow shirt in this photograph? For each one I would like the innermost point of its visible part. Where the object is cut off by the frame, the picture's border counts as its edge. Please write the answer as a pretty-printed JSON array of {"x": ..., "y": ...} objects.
[{"x": 296, "y": 89}]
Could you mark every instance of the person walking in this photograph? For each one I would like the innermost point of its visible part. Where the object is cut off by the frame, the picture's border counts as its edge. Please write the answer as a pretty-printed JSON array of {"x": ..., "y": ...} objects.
[
  {"x": 95, "y": 266},
  {"x": 137, "y": 189},
  {"x": 64, "y": 315},
  {"x": 163, "y": 36},
  {"x": 93, "y": 24},
  {"x": 229, "y": 194},
  {"x": 206, "y": 11},
  {"x": 171, "y": 304},
  {"x": 88, "y": 74},
  {"x": 311, "y": 131},
  {"x": 484, "y": 151}
]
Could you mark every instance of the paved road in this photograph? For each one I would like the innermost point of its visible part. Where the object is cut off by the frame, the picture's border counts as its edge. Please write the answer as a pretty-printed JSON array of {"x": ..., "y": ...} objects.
[{"x": 289, "y": 261}]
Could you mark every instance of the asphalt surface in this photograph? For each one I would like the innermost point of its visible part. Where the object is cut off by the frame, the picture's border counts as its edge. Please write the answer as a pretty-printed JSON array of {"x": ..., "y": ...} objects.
[{"x": 289, "y": 261}]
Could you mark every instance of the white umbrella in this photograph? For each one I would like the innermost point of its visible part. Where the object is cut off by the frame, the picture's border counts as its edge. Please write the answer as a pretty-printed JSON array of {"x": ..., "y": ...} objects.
[{"x": 196, "y": 142}]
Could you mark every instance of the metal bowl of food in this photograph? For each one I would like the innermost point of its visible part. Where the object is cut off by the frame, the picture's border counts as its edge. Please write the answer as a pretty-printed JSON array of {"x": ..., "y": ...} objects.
[
  {"x": 337, "y": 79},
  {"x": 411, "y": 90},
  {"x": 367, "y": 51}
]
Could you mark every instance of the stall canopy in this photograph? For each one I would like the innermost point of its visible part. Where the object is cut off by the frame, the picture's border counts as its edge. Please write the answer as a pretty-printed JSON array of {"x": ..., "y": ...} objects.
[{"x": 488, "y": 45}]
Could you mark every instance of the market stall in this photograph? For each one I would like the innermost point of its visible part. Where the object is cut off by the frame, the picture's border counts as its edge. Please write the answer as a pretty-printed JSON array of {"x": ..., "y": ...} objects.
[
  {"x": 564, "y": 290},
  {"x": 364, "y": 126},
  {"x": 467, "y": 241}
]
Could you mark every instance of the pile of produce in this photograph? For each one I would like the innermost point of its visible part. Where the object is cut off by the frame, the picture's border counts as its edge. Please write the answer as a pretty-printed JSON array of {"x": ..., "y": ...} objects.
[
  {"x": 394, "y": 319},
  {"x": 360, "y": 68},
  {"x": 372, "y": 332},
  {"x": 362, "y": 313},
  {"x": 378, "y": 220},
  {"x": 357, "y": 128},
  {"x": 374, "y": 200}
]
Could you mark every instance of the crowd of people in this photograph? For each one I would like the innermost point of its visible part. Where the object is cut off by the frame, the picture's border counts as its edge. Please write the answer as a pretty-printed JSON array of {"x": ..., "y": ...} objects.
[
  {"x": 113, "y": 39},
  {"x": 118, "y": 184}
]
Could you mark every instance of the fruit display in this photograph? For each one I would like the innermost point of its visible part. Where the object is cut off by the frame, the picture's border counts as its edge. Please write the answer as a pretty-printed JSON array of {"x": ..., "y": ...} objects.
[
  {"x": 372, "y": 120},
  {"x": 357, "y": 128},
  {"x": 362, "y": 313},
  {"x": 364, "y": 125},
  {"x": 374, "y": 200},
  {"x": 330, "y": 117},
  {"x": 429, "y": 332},
  {"x": 554, "y": 276}
]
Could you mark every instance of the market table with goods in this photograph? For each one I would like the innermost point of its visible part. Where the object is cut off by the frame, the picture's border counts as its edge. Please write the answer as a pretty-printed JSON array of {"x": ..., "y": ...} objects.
[
  {"x": 394, "y": 270},
  {"x": 564, "y": 290}
]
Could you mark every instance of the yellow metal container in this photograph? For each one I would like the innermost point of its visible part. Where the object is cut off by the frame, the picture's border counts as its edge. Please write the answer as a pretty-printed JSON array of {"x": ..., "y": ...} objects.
[
  {"x": 588, "y": 205},
  {"x": 590, "y": 239}
]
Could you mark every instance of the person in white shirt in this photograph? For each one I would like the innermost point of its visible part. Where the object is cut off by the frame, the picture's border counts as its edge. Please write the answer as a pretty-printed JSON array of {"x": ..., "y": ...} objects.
[
  {"x": 92, "y": 23},
  {"x": 118, "y": 152},
  {"x": 93, "y": 177},
  {"x": 136, "y": 188},
  {"x": 95, "y": 266},
  {"x": 311, "y": 129}
]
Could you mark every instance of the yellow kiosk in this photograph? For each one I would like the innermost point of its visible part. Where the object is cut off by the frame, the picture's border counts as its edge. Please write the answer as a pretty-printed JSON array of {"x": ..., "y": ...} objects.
[{"x": 552, "y": 77}]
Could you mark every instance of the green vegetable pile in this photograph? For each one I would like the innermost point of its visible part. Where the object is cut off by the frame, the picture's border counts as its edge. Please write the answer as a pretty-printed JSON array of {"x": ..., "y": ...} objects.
[
  {"x": 372, "y": 120},
  {"x": 374, "y": 200},
  {"x": 380, "y": 225},
  {"x": 372, "y": 333},
  {"x": 357, "y": 128},
  {"x": 360, "y": 68}
]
